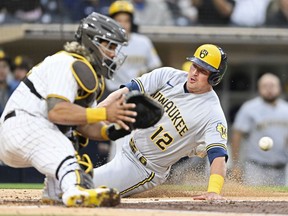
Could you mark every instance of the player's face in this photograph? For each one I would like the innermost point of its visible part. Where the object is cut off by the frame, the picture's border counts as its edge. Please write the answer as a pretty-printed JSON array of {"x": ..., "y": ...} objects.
[
  {"x": 108, "y": 49},
  {"x": 124, "y": 20},
  {"x": 4, "y": 71},
  {"x": 20, "y": 73},
  {"x": 269, "y": 88},
  {"x": 198, "y": 80}
]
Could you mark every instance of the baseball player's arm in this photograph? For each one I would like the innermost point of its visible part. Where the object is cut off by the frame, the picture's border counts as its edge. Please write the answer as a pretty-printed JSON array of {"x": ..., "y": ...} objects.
[
  {"x": 65, "y": 113},
  {"x": 92, "y": 131},
  {"x": 216, "y": 180}
]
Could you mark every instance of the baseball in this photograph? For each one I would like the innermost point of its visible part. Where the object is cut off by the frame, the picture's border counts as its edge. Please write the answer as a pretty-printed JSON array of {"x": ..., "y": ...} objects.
[{"x": 265, "y": 143}]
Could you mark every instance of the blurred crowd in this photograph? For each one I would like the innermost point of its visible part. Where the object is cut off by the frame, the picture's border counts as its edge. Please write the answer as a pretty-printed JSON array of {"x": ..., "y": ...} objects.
[
  {"x": 12, "y": 71},
  {"x": 248, "y": 13}
]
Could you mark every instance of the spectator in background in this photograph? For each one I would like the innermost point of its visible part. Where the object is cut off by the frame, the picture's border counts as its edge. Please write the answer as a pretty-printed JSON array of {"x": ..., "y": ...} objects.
[
  {"x": 3, "y": 11},
  {"x": 214, "y": 12},
  {"x": 6, "y": 88},
  {"x": 75, "y": 10},
  {"x": 151, "y": 12},
  {"x": 278, "y": 14},
  {"x": 183, "y": 12},
  {"x": 249, "y": 13},
  {"x": 265, "y": 115},
  {"x": 20, "y": 67},
  {"x": 21, "y": 11},
  {"x": 52, "y": 11}
]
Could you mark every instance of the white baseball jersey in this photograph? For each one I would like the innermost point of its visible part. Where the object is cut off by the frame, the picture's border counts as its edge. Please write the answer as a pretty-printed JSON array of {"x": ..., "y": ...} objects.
[
  {"x": 141, "y": 57},
  {"x": 190, "y": 120},
  {"x": 29, "y": 138}
]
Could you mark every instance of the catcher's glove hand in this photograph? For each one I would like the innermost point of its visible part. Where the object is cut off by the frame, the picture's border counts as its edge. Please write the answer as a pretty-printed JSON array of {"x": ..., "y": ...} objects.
[{"x": 149, "y": 111}]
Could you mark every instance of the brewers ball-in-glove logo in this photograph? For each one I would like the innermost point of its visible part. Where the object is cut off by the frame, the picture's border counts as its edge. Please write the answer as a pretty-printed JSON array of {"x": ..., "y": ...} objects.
[
  {"x": 222, "y": 130},
  {"x": 203, "y": 53}
]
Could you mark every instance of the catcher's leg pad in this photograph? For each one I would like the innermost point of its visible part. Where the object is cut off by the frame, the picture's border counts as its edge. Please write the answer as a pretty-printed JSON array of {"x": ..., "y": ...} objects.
[
  {"x": 85, "y": 164},
  {"x": 78, "y": 140}
]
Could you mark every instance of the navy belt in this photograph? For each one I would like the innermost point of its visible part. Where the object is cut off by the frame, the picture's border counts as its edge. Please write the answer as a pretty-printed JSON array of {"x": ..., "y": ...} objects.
[{"x": 9, "y": 115}]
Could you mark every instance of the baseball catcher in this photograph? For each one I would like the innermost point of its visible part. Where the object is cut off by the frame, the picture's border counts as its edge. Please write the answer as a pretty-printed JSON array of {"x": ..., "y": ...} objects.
[{"x": 60, "y": 95}]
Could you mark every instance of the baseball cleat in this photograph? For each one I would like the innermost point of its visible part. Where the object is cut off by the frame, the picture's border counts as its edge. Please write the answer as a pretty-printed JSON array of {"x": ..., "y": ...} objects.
[
  {"x": 50, "y": 200},
  {"x": 98, "y": 197},
  {"x": 51, "y": 194}
]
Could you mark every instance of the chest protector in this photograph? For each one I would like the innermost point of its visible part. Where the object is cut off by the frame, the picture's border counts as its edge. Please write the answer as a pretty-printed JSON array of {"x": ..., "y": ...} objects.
[{"x": 91, "y": 85}]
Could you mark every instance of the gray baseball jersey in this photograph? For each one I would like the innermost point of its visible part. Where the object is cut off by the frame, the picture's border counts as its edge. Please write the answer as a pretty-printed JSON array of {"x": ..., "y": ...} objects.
[
  {"x": 257, "y": 118},
  {"x": 190, "y": 120}
]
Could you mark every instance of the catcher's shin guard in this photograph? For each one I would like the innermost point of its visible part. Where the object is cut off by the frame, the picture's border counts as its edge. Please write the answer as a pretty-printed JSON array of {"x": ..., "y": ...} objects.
[{"x": 85, "y": 163}]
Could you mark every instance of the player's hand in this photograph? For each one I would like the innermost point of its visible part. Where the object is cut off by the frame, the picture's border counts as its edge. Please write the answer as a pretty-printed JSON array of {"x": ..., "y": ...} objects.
[
  {"x": 119, "y": 112},
  {"x": 113, "y": 96},
  {"x": 209, "y": 196}
]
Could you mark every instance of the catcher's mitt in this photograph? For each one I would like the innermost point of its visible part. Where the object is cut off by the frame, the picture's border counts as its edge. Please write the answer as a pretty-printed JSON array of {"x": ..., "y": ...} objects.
[{"x": 149, "y": 111}]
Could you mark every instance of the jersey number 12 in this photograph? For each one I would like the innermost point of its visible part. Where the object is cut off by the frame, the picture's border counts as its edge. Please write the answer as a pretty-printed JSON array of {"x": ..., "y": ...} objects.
[{"x": 161, "y": 139}]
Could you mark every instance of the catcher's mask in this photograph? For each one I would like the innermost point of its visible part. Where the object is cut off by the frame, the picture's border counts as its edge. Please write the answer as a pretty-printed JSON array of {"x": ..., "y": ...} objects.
[
  {"x": 97, "y": 28},
  {"x": 212, "y": 58}
]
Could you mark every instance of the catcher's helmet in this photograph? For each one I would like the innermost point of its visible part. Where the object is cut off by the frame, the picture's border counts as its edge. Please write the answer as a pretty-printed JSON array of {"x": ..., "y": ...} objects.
[
  {"x": 213, "y": 59},
  {"x": 96, "y": 28},
  {"x": 121, "y": 7}
]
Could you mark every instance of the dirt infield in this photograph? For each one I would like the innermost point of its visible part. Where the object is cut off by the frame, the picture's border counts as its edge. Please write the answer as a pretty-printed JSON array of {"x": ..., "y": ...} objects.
[{"x": 165, "y": 200}]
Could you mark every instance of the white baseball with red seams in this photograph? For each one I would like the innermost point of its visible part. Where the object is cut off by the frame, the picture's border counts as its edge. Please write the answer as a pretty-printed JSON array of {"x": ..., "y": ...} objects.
[{"x": 265, "y": 143}]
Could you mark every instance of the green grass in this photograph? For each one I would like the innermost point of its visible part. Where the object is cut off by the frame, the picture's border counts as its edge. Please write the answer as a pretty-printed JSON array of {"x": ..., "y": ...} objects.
[{"x": 21, "y": 186}]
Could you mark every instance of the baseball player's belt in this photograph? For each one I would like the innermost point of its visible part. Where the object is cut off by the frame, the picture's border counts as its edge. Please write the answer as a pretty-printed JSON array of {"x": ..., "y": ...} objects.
[{"x": 134, "y": 149}]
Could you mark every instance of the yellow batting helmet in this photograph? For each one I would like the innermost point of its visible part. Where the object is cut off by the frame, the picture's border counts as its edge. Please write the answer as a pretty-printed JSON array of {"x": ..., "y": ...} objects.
[
  {"x": 121, "y": 6},
  {"x": 211, "y": 58}
]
